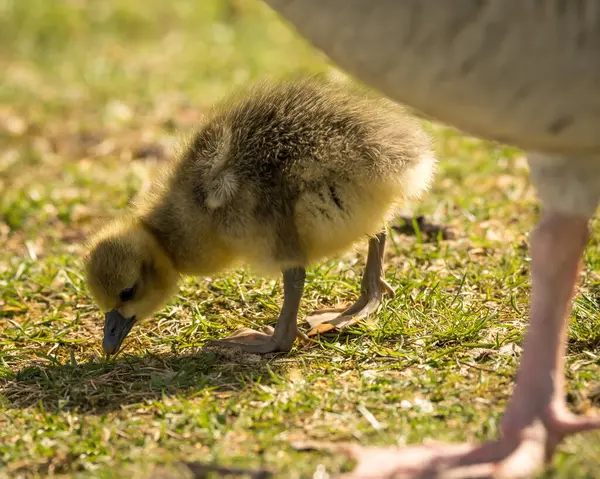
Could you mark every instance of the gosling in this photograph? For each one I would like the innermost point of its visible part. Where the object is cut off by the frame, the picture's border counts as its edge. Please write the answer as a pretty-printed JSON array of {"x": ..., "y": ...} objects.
[{"x": 279, "y": 177}]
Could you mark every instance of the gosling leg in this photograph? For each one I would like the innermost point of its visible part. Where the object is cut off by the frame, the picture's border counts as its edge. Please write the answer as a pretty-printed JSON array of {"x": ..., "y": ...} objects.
[
  {"x": 373, "y": 286},
  {"x": 280, "y": 339}
]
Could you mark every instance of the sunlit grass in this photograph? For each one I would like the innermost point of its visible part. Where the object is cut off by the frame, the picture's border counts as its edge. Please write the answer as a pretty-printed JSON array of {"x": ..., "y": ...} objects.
[{"x": 94, "y": 96}]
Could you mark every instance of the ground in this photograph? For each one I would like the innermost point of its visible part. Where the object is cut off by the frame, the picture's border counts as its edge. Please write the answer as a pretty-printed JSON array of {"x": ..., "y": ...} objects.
[{"x": 93, "y": 97}]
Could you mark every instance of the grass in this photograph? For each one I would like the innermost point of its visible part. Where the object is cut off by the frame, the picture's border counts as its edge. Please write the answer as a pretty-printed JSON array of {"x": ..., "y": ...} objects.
[{"x": 92, "y": 97}]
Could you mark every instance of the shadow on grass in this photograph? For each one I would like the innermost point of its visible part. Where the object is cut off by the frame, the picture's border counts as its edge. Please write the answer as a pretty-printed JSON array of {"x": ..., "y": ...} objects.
[{"x": 100, "y": 386}]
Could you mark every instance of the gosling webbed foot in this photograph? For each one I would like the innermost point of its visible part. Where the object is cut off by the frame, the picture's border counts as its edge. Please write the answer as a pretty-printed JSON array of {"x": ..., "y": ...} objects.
[
  {"x": 325, "y": 320},
  {"x": 251, "y": 341},
  {"x": 256, "y": 342},
  {"x": 282, "y": 337},
  {"x": 373, "y": 288}
]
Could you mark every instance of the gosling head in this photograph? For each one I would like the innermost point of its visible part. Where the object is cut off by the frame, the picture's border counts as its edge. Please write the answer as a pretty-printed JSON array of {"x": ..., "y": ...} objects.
[{"x": 129, "y": 276}]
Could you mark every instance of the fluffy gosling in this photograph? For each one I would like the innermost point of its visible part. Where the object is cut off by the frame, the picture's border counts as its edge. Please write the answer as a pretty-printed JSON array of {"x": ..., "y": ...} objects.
[{"x": 279, "y": 177}]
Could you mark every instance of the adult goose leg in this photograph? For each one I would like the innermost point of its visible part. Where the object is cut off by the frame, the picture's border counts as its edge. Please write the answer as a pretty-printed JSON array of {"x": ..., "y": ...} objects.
[{"x": 537, "y": 418}]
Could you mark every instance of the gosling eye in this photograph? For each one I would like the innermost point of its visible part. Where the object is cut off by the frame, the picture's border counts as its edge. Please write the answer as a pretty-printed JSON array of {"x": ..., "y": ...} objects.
[{"x": 128, "y": 293}]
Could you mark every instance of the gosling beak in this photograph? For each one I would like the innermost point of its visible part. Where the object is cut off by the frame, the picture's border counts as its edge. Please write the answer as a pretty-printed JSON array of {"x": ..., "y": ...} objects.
[{"x": 116, "y": 329}]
